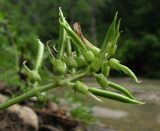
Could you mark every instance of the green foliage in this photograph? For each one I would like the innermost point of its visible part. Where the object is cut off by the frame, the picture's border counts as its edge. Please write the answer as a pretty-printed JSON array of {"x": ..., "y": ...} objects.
[
  {"x": 27, "y": 19},
  {"x": 147, "y": 63},
  {"x": 83, "y": 112},
  {"x": 79, "y": 109},
  {"x": 8, "y": 66}
]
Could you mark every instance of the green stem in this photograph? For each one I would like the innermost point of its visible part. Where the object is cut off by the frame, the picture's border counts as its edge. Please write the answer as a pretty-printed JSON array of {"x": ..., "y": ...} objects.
[
  {"x": 73, "y": 78},
  {"x": 79, "y": 76},
  {"x": 34, "y": 91},
  {"x": 27, "y": 95}
]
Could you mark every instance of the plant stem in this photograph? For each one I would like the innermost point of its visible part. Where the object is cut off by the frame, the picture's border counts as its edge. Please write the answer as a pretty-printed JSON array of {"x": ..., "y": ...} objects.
[
  {"x": 28, "y": 95},
  {"x": 35, "y": 90},
  {"x": 78, "y": 76}
]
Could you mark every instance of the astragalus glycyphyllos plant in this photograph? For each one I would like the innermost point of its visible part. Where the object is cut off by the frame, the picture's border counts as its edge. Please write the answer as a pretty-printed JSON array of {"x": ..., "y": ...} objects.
[{"x": 74, "y": 58}]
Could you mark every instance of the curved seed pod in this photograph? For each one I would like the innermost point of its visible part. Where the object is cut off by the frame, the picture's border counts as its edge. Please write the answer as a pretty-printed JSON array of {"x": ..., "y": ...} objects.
[
  {"x": 113, "y": 96},
  {"x": 70, "y": 62},
  {"x": 89, "y": 56},
  {"x": 74, "y": 37},
  {"x": 115, "y": 64},
  {"x": 96, "y": 64},
  {"x": 62, "y": 35},
  {"x": 105, "y": 69},
  {"x": 127, "y": 71},
  {"x": 33, "y": 75},
  {"x": 81, "y": 61},
  {"x": 121, "y": 89},
  {"x": 39, "y": 54},
  {"x": 101, "y": 79},
  {"x": 81, "y": 88},
  {"x": 59, "y": 67},
  {"x": 88, "y": 44}
]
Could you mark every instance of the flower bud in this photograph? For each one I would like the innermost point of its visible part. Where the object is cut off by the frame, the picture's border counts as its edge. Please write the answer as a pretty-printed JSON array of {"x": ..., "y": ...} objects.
[{"x": 59, "y": 67}]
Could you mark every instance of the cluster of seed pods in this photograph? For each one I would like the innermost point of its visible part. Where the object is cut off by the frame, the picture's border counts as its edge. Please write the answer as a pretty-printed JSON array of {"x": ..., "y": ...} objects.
[
  {"x": 77, "y": 55},
  {"x": 74, "y": 58}
]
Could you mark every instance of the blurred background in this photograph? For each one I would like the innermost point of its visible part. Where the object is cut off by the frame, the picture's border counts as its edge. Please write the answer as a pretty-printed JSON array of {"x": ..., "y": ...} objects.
[
  {"x": 139, "y": 44},
  {"x": 21, "y": 21}
]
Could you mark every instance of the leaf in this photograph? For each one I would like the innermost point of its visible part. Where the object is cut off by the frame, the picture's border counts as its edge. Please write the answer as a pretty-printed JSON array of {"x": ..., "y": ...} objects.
[
  {"x": 109, "y": 35},
  {"x": 109, "y": 44}
]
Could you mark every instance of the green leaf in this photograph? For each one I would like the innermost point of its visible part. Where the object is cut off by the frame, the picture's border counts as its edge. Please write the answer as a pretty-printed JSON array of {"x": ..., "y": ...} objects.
[
  {"x": 109, "y": 37},
  {"x": 109, "y": 45}
]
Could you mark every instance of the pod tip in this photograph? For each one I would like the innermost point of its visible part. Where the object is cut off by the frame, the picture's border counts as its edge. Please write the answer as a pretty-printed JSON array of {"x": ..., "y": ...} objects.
[
  {"x": 139, "y": 102},
  {"x": 138, "y": 81}
]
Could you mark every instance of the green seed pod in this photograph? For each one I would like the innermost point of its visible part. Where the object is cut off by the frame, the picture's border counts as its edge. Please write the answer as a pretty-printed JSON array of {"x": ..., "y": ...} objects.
[
  {"x": 89, "y": 56},
  {"x": 73, "y": 35},
  {"x": 81, "y": 62},
  {"x": 105, "y": 69},
  {"x": 59, "y": 67},
  {"x": 101, "y": 79},
  {"x": 70, "y": 62},
  {"x": 121, "y": 89},
  {"x": 113, "y": 96},
  {"x": 127, "y": 71},
  {"x": 115, "y": 64},
  {"x": 81, "y": 88},
  {"x": 96, "y": 64}
]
